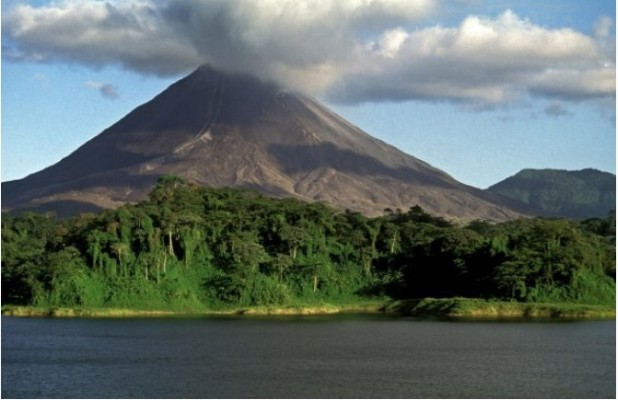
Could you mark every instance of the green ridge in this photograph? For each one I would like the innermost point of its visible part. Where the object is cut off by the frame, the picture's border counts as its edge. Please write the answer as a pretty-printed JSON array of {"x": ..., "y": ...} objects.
[{"x": 559, "y": 193}]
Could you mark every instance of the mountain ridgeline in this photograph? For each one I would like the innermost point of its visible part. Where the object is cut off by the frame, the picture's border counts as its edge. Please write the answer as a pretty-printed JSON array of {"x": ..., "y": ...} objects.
[
  {"x": 219, "y": 129},
  {"x": 558, "y": 193}
]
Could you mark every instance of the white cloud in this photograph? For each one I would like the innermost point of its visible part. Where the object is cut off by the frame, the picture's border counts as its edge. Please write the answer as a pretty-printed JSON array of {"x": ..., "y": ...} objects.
[
  {"x": 573, "y": 84},
  {"x": 390, "y": 42},
  {"x": 351, "y": 51},
  {"x": 492, "y": 61},
  {"x": 129, "y": 33},
  {"x": 603, "y": 26},
  {"x": 106, "y": 90}
]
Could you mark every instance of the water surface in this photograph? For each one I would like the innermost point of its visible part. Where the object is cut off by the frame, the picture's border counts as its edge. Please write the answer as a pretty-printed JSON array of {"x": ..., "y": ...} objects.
[{"x": 308, "y": 357}]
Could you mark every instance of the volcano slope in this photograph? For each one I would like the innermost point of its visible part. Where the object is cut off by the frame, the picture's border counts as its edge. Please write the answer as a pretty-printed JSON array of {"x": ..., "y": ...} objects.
[{"x": 231, "y": 130}]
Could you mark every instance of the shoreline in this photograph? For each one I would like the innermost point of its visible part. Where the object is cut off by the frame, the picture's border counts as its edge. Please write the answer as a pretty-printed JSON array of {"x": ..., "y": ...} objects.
[
  {"x": 470, "y": 308},
  {"x": 448, "y": 308},
  {"x": 112, "y": 312}
]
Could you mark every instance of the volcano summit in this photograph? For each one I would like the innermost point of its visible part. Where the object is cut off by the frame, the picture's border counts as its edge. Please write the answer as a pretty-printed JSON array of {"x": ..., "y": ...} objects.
[{"x": 223, "y": 129}]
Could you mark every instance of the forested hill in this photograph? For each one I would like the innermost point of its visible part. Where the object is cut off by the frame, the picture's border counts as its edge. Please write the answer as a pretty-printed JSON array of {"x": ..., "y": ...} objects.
[
  {"x": 559, "y": 193},
  {"x": 195, "y": 248}
]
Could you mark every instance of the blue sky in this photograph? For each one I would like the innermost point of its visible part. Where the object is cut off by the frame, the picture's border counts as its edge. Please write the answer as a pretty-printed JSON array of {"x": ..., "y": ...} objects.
[{"x": 480, "y": 89}]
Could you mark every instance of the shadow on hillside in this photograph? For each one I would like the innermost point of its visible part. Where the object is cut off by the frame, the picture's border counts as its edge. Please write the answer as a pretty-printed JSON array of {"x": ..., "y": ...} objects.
[
  {"x": 17, "y": 193},
  {"x": 306, "y": 158},
  {"x": 61, "y": 208}
]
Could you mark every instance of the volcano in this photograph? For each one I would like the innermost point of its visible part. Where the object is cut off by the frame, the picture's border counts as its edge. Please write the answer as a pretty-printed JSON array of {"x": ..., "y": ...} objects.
[{"x": 232, "y": 130}]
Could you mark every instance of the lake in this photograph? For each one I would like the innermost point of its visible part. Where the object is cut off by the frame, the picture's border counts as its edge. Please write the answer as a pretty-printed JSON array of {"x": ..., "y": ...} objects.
[{"x": 358, "y": 356}]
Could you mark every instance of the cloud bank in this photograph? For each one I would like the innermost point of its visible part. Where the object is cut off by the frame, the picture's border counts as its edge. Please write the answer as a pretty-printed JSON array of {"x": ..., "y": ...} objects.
[{"x": 349, "y": 51}]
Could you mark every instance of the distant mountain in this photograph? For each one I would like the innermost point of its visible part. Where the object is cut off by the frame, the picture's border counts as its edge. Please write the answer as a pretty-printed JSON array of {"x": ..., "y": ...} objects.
[
  {"x": 559, "y": 193},
  {"x": 222, "y": 129}
]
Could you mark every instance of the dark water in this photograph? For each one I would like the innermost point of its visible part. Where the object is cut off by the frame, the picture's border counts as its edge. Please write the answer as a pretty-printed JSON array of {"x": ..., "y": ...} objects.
[{"x": 312, "y": 357}]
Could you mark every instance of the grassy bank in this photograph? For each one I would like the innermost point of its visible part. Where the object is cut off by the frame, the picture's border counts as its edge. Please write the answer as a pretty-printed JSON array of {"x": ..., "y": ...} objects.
[
  {"x": 361, "y": 307},
  {"x": 69, "y": 312},
  {"x": 88, "y": 312},
  {"x": 459, "y": 308},
  {"x": 493, "y": 309}
]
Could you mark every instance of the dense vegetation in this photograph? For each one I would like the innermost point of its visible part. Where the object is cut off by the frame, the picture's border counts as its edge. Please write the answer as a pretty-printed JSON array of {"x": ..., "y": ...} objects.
[
  {"x": 193, "y": 248},
  {"x": 573, "y": 194}
]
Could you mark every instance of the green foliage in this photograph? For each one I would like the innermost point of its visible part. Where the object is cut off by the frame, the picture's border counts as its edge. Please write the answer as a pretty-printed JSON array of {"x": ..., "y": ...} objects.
[
  {"x": 191, "y": 248},
  {"x": 460, "y": 307},
  {"x": 573, "y": 194}
]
